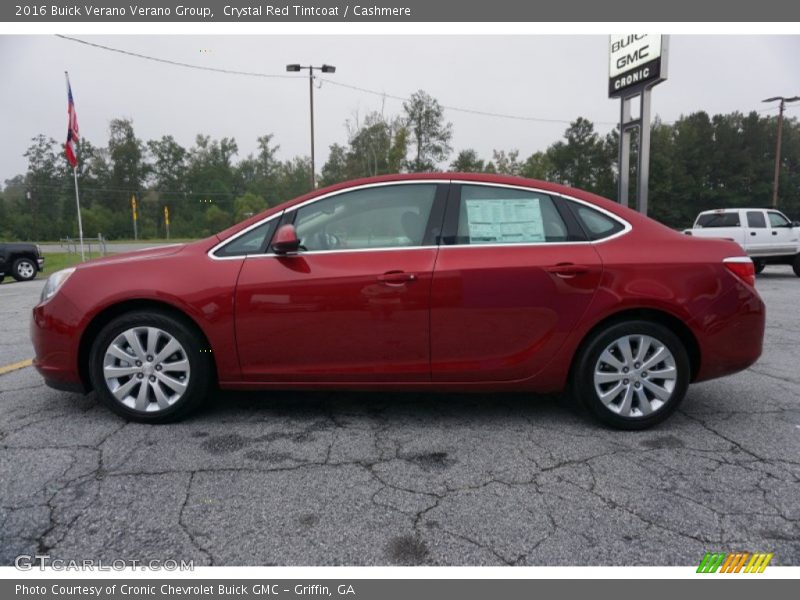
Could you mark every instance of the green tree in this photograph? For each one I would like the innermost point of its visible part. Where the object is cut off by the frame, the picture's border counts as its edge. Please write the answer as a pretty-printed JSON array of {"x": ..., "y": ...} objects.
[
  {"x": 467, "y": 161},
  {"x": 429, "y": 134},
  {"x": 248, "y": 205},
  {"x": 582, "y": 159},
  {"x": 507, "y": 163},
  {"x": 335, "y": 168},
  {"x": 377, "y": 146}
]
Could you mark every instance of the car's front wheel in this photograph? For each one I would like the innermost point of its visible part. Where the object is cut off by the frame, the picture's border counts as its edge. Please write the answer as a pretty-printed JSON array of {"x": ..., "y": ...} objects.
[
  {"x": 759, "y": 264},
  {"x": 632, "y": 375},
  {"x": 24, "y": 269},
  {"x": 796, "y": 265},
  {"x": 150, "y": 367}
]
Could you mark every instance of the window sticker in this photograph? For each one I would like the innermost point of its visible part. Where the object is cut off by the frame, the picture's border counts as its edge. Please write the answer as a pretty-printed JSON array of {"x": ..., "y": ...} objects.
[{"x": 505, "y": 221}]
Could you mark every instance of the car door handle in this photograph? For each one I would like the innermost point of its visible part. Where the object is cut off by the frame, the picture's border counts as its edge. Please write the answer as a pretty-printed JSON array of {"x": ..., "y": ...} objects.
[
  {"x": 774, "y": 233},
  {"x": 752, "y": 233},
  {"x": 397, "y": 277},
  {"x": 567, "y": 269}
]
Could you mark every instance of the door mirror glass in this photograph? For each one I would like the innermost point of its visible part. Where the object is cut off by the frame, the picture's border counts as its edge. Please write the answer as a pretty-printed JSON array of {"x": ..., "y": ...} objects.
[{"x": 286, "y": 240}]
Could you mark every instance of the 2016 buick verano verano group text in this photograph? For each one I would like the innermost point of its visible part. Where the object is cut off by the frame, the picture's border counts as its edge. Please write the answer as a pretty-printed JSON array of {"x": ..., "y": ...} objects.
[{"x": 410, "y": 282}]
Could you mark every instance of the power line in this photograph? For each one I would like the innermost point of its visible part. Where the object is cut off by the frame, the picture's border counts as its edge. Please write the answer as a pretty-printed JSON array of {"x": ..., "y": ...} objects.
[
  {"x": 357, "y": 88},
  {"x": 471, "y": 111},
  {"x": 174, "y": 62}
]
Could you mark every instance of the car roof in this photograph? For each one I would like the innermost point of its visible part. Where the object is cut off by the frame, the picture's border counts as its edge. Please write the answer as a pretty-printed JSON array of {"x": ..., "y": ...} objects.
[{"x": 729, "y": 210}]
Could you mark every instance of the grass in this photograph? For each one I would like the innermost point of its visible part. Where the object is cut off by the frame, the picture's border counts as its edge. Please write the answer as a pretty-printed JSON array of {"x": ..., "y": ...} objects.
[{"x": 60, "y": 260}]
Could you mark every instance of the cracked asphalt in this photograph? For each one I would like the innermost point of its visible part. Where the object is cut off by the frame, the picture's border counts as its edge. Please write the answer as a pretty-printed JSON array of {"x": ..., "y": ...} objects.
[{"x": 408, "y": 479}]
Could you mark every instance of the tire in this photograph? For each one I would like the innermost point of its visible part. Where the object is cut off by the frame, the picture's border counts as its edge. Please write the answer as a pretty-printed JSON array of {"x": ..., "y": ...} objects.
[
  {"x": 24, "y": 269},
  {"x": 168, "y": 397},
  {"x": 600, "y": 368},
  {"x": 759, "y": 264},
  {"x": 796, "y": 265}
]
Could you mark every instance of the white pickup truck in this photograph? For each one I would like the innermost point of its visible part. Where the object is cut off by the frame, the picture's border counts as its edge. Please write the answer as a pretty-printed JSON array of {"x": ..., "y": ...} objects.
[{"x": 767, "y": 235}]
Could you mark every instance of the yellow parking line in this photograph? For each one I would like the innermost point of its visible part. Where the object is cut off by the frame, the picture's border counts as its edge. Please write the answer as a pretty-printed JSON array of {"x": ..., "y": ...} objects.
[{"x": 17, "y": 365}]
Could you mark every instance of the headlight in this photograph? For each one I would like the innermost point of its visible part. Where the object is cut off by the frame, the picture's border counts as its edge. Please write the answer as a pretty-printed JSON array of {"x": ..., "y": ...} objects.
[{"x": 55, "y": 281}]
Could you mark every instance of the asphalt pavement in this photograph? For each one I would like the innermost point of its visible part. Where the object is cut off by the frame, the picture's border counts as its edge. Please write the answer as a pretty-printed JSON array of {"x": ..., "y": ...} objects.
[{"x": 406, "y": 479}]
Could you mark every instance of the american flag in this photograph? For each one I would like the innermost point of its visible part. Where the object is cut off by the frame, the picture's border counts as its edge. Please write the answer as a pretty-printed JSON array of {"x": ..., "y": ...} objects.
[{"x": 70, "y": 148}]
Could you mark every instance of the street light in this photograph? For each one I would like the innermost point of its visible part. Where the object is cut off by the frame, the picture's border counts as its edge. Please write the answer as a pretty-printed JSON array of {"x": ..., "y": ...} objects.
[
  {"x": 783, "y": 102},
  {"x": 295, "y": 68}
]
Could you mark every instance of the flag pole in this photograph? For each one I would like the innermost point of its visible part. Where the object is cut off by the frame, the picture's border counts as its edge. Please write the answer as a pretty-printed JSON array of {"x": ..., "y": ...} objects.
[
  {"x": 77, "y": 196},
  {"x": 78, "y": 203}
]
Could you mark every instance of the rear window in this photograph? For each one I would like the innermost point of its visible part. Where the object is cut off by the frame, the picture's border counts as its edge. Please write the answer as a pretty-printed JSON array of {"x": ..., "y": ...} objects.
[
  {"x": 728, "y": 219},
  {"x": 596, "y": 224}
]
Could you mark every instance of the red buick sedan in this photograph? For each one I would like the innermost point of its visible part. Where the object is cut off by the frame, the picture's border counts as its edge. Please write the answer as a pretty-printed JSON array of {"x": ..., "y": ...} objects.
[{"x": 410, "y": 282}]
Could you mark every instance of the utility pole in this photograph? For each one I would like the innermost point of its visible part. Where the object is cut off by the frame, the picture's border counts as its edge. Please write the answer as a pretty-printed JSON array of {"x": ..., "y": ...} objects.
[
  {"x": 781, "y": 108},
  {"x": 325, "y": 69}
]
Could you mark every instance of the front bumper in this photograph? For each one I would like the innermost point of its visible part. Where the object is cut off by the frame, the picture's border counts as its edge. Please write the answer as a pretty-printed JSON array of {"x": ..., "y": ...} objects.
[{"x": 55, "y": 335}]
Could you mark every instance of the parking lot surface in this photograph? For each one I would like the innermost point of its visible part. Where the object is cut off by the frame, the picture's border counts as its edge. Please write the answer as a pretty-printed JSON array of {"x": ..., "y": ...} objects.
[{"x": 408, "y": 479}]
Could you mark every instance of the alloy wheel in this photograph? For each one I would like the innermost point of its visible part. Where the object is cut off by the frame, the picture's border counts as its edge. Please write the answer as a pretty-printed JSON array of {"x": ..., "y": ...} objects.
[
  {"x": 146, "y": 369},
  {"x": 635, "y": 376}
]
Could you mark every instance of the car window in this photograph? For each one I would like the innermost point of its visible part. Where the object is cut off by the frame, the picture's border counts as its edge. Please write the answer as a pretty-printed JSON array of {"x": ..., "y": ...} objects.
[
  {"x": 755, "y": 219},
  {"x": 778, "y": 220},
  {"x": 596, "y": 224},
  {"x": 726, "y": 219},
  {"x": 252, "y": 242},
  {"x": 495, "y": 215},
  {"x": 393, "y": 216}
]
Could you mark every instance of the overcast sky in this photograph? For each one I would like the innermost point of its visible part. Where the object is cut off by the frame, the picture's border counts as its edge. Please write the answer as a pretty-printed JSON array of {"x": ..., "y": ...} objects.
[{"x": 549, "y": 77}]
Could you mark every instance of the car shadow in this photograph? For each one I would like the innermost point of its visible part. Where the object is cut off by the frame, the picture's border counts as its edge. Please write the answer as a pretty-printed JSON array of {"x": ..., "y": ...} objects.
[{"x": 227, "y": 405}]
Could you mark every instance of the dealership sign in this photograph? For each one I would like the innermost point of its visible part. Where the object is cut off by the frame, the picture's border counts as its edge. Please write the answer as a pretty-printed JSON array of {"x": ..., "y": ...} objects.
[{"x": 635, "y": 61}]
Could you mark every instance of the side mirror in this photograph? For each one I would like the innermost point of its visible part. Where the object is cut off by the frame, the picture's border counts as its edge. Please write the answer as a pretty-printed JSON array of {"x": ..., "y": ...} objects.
[
  {"x": 795, "y": 223},
  {"x": 285, "y": 241}
]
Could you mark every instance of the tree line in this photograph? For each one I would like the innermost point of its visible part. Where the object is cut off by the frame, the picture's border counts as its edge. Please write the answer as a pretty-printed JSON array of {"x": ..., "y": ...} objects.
[{"x": 699, "y": 162}]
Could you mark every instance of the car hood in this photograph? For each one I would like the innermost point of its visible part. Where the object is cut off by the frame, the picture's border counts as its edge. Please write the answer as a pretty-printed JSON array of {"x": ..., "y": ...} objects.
[{"x": 135, "y": 255}]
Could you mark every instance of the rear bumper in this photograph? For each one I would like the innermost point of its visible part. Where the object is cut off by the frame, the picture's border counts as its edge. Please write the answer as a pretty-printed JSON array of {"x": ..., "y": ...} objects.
[{"x": 731, "y": 333}]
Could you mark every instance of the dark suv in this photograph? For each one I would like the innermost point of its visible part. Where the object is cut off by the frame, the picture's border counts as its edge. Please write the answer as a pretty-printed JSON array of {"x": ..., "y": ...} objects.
[{"x": 21, "y": 261}]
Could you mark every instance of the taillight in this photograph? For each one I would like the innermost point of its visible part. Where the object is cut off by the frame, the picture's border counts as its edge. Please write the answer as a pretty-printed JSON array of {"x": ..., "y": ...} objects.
[{"x": 742, "y": 267}]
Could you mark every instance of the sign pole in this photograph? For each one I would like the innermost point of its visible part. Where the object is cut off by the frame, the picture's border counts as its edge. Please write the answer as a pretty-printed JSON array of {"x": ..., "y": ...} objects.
[
  {"x": 78, "y": 204},
  {"x": 637, "y": 63},
  {"x": 624, "y": 151},
  {"x": 135, "y": 218},
  {"x": 644, "y": 151}
]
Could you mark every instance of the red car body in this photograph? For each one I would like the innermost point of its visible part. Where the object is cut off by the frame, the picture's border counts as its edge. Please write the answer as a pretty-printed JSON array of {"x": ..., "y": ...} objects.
[{"x": 498, "y": 317}]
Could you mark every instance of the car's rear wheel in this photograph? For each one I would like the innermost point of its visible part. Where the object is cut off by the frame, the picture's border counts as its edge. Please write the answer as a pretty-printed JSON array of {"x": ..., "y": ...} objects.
[
  {"x": 24, "y": 269},
  {"x": 632, "y": 375},
  {"x": 796, "y": 265},
  {"x": 150, "y": 367},
  {"x": 759, "y": 264}
]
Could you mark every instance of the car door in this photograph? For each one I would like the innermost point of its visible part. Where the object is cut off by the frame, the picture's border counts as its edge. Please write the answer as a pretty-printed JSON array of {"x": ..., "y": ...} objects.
[
  {"x": 782, "y": 236},
  {"x": 513, "y": 277},
  {"x": 353, "y": 304},
  {"x": 757, "y": 237}
]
